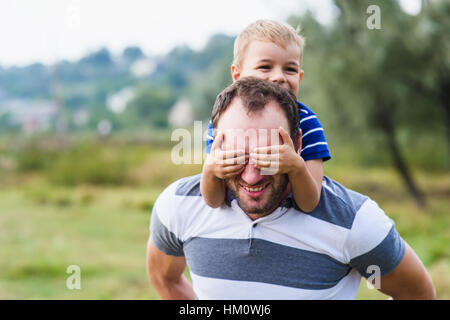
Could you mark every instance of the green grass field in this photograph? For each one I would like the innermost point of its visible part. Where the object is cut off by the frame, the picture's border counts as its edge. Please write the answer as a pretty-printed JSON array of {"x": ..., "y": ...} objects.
[{"x": 103, "y": 229}]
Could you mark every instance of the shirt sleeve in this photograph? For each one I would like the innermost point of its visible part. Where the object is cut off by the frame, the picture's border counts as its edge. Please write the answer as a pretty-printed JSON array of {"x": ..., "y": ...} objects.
[
  {"x": 163, "y": 230},
  {"x": 209, "y": 138},
  {"x": 373, "y": 241},
  {"x": 314, "y": 143}
]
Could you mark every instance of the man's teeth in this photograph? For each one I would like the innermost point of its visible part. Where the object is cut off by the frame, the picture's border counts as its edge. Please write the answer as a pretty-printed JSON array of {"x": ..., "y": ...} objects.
[{"x": 254, "y": 189}]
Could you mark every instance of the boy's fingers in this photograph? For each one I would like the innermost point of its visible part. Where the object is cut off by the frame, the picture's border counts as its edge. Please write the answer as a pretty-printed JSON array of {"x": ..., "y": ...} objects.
[
  {"x": 233, "y": 153},
  {"x": 267, "y": 150},
  {"x": 228, "y": 154},
  {"x": 217, "y": 143},
  {"x": 233, "y": 161},
  {"x": 234, "y": 173},
  {"x": 262, "y": 164},
  {"x": 265, "y": 156},
  {"x": 285, "y": 137},
  {"x": 232, "y": 169},
  {"x": 269, "y": 171}
]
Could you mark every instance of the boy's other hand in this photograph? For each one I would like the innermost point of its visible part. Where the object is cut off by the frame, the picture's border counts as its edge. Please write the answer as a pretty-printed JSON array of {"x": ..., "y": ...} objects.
[{"x": 278, "y": 159}]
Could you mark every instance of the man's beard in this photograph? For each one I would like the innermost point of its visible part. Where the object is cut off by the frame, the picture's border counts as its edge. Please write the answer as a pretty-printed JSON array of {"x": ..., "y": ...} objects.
[{"x": 276, "y": 193}]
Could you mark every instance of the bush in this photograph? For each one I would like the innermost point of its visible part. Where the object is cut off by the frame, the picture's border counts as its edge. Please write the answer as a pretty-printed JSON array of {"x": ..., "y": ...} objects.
[{"x": 88, "y": 164}]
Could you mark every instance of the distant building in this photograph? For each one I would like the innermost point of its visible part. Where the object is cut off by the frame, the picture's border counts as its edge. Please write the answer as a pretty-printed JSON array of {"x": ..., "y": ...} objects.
[
  {"x": 143, "y": 67},
  {"x": 118, "y": 101},
  {"x": 32, "y": 116},
  {"x": 181, "y": 115},
  {"x": 104, "y": 127},
  {"x": 80, "y": 117}
]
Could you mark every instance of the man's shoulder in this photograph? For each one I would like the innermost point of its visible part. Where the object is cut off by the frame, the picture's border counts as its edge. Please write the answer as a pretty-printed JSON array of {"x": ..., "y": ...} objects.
[
  {"x": 338, "y": 205},
  {"x": 178, "y": 191},
  {"x": 189, "y": 186},
  {"x": 179, "y": 203}
]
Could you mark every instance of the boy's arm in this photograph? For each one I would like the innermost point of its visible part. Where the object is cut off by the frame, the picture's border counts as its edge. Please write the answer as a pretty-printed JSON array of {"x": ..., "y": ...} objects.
[
  {"x": 212, "y": 188},
  {"x": 306, "y": 183},
  {"x": 314, "y": 144},
  {"x": 219, "y": 165}
]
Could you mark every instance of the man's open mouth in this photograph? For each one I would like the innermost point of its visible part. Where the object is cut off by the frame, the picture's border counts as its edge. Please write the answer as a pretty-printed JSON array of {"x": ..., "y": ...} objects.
[{"x": 255, "y": 191}]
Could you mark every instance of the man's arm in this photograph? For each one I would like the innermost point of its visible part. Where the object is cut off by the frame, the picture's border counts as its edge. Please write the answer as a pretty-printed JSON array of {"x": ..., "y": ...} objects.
[
  {"x": 166, "y": 274},
  {"x": 409, "y": 280}
]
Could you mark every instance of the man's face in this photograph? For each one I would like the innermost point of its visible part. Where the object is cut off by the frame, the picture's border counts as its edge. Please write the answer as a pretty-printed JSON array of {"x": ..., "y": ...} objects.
[
  {"x": 257, "y": 194},
  {"x": 268, "y": 61}
]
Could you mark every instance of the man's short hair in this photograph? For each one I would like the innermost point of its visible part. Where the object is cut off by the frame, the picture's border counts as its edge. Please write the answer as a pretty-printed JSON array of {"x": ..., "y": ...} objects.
[
  {"x": 255, "y": 94},
  {"x": 280, "y": 33}
]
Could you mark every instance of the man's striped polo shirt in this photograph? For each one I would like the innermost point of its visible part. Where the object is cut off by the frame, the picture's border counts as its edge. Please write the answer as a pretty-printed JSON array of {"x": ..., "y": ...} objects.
[{"x": 285, "y": 255}]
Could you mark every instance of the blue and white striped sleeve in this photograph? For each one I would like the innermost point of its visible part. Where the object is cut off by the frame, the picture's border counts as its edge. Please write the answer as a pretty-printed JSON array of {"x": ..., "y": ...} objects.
[
  {"x": 164, "y": 229},
  {"x": 314, "y": 144},
  {"x": 209, "y": 138},
  {"x": 373, "y": 241}
]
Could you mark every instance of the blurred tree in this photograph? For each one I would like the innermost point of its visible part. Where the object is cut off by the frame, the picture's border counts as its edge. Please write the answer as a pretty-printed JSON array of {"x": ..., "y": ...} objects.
[
  {"x": 5, "y": 123},
  {"x": 207, "y": 82},
  {"x": 183, "y": 66},
  {"x": 100, "y": 58},
  {"x": 132, "y": 54},
  {"x": 204, "y": 87},
  {"x": 386, "y": 81},
  {"x": 27, "y": 82},
  {"x": 150, "y": 107}
]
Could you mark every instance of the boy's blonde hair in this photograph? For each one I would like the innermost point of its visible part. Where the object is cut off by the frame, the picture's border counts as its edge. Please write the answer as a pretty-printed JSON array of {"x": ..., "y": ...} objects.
[{"x": 281, "y": 34}]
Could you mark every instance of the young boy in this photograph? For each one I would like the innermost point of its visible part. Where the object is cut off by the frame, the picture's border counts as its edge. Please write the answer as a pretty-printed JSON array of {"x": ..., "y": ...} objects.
[{"x": 272, "y": 51}]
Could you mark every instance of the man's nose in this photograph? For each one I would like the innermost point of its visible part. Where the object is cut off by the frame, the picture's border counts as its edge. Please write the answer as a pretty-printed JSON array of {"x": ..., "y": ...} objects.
[{"x": 251, "y": 174}]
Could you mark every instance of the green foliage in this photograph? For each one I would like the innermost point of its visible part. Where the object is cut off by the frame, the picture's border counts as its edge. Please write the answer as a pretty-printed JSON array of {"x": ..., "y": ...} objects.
[
  {"x": 99, "y": 59},
  {"x": 132, "y": 53},
  {"x": 150, "y": 107},
  {"x": 30, "y": 81},
  {"x": 87, "y": 163},
  {"x": 385, "y": 90},
  {"x": 203, "y": 90}
]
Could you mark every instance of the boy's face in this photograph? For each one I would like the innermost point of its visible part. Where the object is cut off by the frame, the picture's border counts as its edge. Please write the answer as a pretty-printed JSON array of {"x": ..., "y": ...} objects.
[{"x": 268, "y": 61}]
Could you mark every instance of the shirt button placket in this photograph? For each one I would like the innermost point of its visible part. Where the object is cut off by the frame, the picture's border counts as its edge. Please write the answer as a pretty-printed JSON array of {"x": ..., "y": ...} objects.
[{"x": 250, "y": 242}]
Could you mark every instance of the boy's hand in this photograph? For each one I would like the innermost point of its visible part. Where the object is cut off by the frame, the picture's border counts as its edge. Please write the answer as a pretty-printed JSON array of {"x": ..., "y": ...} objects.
[
  {"x": 224, "y": 164},
  {"x": 279, "y": 158}
]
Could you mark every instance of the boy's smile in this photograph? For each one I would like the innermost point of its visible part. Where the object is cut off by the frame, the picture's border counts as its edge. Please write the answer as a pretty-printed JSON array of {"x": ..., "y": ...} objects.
[{"x": 269, "y": 61}]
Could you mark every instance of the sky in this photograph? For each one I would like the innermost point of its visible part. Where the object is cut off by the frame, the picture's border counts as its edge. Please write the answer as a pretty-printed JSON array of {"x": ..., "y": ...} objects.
[
  {"x": 47, "y": 31},
  {"x": 51, "y": 30}
]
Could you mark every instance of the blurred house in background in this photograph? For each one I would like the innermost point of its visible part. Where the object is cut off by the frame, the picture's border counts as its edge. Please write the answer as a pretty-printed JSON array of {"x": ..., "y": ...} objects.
[
  {"x": 118, "y": 101},
  {"x": 143, "y": 67},
  {"x": 31, "y": 116},
  {"x": 181, "y": 114}
]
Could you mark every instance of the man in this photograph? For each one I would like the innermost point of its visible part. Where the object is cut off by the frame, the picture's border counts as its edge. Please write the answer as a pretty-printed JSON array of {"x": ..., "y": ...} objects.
[{"x": 259, "y": 245}]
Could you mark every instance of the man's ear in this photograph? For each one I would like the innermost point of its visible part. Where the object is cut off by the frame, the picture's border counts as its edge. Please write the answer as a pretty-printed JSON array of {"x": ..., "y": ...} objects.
[{"x": 235, "y": 74}]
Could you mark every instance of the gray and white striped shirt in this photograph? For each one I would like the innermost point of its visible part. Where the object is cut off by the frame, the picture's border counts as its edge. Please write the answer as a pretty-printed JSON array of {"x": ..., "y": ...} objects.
[{"x": 287, "y": 254}]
